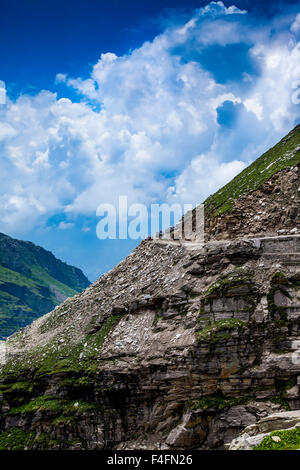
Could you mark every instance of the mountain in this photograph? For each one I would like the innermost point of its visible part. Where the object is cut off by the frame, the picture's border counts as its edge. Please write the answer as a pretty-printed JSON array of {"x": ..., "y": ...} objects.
[
  {"x": 263, "y": 199},
  {"x": 182, "y": 345},
  {"x": 32, "y": 283}
]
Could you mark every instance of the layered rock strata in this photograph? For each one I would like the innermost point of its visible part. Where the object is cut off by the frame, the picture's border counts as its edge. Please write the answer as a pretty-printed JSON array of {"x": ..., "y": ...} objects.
[{"x": 174, "y": 348}]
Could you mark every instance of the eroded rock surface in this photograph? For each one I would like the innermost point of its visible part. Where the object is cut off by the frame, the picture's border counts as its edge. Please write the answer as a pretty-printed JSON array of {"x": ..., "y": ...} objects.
[
  {"x": 273, "y": 209},
  {"x": 174, "y": 348},
  {"x": 254, "y": 434}
]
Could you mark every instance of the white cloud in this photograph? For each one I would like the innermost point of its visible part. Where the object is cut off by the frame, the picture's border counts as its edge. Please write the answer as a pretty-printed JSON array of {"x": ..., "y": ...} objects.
[
  {"x": 204, "y": 175},
  {"x": 218, "y": 8},
  {"x": 65, "y": 225},
  {"x": 61, "y": 78},
  {"x": 271, "y": 99},
  {"x": 6, "y": 131},
  {"x": 296, "y": 24},
  {"x": 254, "y": 105},
  {"x": 147, "y": 124}
]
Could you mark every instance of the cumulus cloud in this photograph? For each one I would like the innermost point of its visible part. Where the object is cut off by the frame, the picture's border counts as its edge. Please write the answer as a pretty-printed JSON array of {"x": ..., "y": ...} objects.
[
  {"x": 61, "y": 78},
  {"x": 65, "y": 225},
  {"x": 204, "y": 175},
  {"x": 295, "y": 27},
  {"x": 147, "y": 124}
]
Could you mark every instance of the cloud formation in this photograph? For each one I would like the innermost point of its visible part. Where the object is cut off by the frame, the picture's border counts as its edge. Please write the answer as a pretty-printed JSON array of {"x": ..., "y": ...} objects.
[{"x": 161, "y": 123}]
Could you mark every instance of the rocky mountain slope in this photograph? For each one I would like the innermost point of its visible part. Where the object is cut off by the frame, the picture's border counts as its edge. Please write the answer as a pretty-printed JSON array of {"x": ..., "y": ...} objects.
[
  {"x": 263, "y": 199},
  {"x": 182, "y": 345},
  {"x": 32, "y": 283}
]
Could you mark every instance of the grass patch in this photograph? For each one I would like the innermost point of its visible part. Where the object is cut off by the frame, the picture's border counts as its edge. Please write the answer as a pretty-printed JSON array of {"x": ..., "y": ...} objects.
[
  {"x": 280, "y": 157},
  {"x": 216, "y": 402},
  {"x": 62, "y": 357},
  {"x": 49, "y": 403},
  {"x": 213, "y": 331},
  {"x": 43, "y": 277},
  {"x": 7, "y": 275},
  {"x": 96, "y": 340},
  {"x": 234, "y": 284},
  {"x": 15, "y": 439},
  {"x": 289, "y": 440}
]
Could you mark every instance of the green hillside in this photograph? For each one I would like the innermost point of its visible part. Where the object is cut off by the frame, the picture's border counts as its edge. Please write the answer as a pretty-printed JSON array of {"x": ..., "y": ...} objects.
[
  {"x": 283, "y": 155},
  {"x": 32, "y": 283}
]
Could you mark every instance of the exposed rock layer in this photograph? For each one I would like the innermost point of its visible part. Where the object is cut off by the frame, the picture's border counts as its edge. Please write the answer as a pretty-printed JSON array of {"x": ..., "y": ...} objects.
[
  {"x": 278, "y": 426},
  {"x": 188, "y": 361},
  {"x": 273, "y": 209}
]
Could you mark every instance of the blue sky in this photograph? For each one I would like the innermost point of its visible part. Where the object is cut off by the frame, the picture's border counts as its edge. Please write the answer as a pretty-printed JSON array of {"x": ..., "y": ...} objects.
[{"x": 162, "y": 101}]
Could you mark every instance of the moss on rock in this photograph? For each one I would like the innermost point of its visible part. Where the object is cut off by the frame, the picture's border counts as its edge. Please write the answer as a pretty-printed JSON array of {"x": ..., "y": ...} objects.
[
  {"x": 213, "y": 331},
  {"x": 15, "y": 439},
  {"x": 216, "y": 402},
  {"x": 284, "y": 440}
]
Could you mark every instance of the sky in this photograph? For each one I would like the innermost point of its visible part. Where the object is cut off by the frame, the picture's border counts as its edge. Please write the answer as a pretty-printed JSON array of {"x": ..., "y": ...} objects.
[{"x": 162, "y": 101}]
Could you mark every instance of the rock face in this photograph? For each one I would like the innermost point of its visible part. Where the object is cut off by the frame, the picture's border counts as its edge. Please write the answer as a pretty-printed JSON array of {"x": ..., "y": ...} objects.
[
  {"x": 32, "y": 283},
  {"x": 273, "y": 209},
  {"x": 263, "y": 199},
  {"x": 181, "y": 346},
  {"x": 255, "y": 434}
]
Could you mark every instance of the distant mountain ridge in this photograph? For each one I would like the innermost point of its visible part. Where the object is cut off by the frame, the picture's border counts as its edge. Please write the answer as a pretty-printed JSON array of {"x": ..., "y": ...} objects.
[{"x": 32, "y": 282}]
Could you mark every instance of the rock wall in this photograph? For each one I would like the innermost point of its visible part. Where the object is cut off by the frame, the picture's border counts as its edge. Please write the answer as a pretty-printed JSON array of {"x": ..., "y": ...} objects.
[
  {"x": 273, "y": 209},
  {"x": 279, "y": 431},
  {"x": 173, "y": 349}
]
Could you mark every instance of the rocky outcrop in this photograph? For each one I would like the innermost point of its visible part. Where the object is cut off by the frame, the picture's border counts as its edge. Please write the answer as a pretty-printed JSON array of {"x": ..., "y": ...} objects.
[
  {"x": 263, "y": 199},
  {"x": 174, "y": 348},
  {"x": 279, "y": 427},
  {"x": 273, "y": 209}
]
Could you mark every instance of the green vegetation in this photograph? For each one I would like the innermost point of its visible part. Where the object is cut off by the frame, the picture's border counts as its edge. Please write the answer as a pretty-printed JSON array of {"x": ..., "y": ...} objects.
[
  {"x": 15, "y": 439},
  {"x": 235, "y": 283},
  {"x": 282, "y": 402},
  {"x": 288, "y": 440},
  {"x": 279, "y": 284},
  {"x": 62, "y": 357},
  {"x": 96, "y": 341},
  {"x": 279, "y": 278},
  {"x": 295, "y": 281},
  {"x": 7, "y": 275},
  {"x": 281, "y": 156},
  {"x": 80, "y": 383},
  {"x": 213, "y": 331},
  {"x": 49, "y": 403},
  {"x": 32, "y": 283},
  {"x": 155, "y": 320},
  {"x": 216, "y": 402},
  {"x": 281, "y": 386},
  {"x": 20, "y": 386},
  {"x": 44, "y": 278}
]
